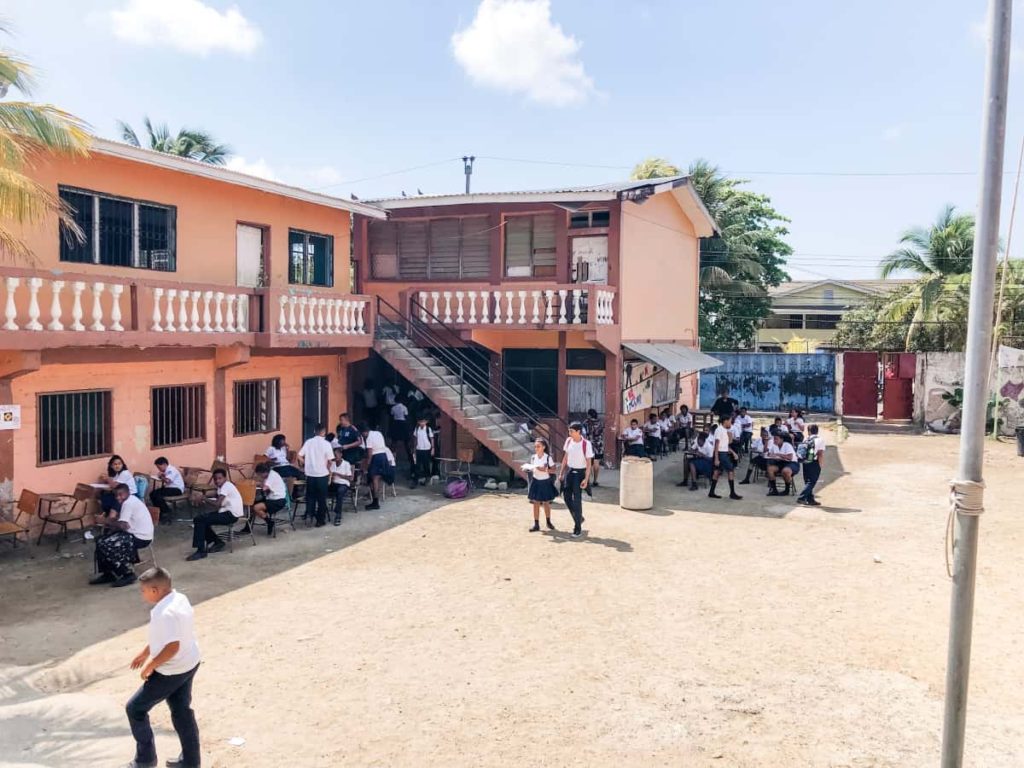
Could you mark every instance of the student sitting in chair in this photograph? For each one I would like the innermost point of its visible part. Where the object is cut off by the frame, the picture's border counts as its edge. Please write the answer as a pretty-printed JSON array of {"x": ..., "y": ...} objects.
[
  {"x": 126, "y": 532},
  {"x": 634, "y": 440},
  {"x": 782, "y": 460},
  {"x": 272, "y": 495},
  {"x": 703, "y": 462},
  {"x": 230, "y": 509},
  {"x": 652, "y": 433},
  {"x": 758, "y": 448}
]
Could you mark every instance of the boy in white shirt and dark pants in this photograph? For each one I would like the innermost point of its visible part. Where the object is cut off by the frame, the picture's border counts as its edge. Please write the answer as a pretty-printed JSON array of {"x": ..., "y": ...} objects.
[
  {"x": 316, "y": 456},
  {"x": 577, "y": 456},
  {"x": 173, "y": 659},
  {"x": 724, "y": 458}
]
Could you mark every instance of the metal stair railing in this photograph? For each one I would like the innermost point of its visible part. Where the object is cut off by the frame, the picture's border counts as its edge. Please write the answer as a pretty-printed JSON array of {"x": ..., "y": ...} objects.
[{"x": 440, "y": 346}]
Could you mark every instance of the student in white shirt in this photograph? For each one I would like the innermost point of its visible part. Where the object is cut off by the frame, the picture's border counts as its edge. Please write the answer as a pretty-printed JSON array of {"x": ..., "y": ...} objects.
[
  {"x": 272, "y": 495},
  {"x": 758, "y": 448},
  {"x": 814, "y": 460},
  {"x": 724, "y": 459},
  {"x": 746, "y": 423},
  {"x": 399, "y": 430},
  {"x": 117, "y": 473},
  {"x": 230, "y": 509},
  {"x": 652, "y": 430},
  {"x": 169, "y": 662},
  {"x": 796, "y": 425},
  {"x": 781, "y": 460},
  {"x": 634, "y": 439},
  {"x": 574, "y": 474},
  {"x": 278, "y": 455},
  {"x": 542, "y": 483},
  {"x": 377, "y": 464},
  {"x": 703, "y": 462},
  {"x": 173, "y": 485},
  {"x": 423, "y": 440},
  {"x": 341, "y": 481},
  {"x": 125, "y": 533},
  {"x": 665, "y": 423},
  {"x": 316, "y": 456}
]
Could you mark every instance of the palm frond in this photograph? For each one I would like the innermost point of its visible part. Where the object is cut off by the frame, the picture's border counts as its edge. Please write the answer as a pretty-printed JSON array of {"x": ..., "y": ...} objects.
[
  {"x": 128, "y": 134},
  {"x": 53, "y": 129},
  {"x": 16, "y": 72}
]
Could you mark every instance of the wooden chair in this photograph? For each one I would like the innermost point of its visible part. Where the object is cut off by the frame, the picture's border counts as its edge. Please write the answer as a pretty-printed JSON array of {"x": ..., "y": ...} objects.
[
  {"x": 247, "y": 490},
  {"x": 75, "y": 507},
  {"x": 28, "y": 504}
]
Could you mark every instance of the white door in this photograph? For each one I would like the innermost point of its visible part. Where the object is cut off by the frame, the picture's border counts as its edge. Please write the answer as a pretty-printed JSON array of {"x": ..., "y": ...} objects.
[
  {"x": 249, "y": 256},
  {"x": 590, "y": 259}
]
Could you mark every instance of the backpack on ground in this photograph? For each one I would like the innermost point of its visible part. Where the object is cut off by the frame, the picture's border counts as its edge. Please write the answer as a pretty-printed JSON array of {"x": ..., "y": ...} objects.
[{"x": 457, "y": 488}]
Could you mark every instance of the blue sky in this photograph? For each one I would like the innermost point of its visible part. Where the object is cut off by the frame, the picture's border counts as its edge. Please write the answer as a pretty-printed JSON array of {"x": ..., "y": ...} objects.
[{"x": 323, "y": 94}]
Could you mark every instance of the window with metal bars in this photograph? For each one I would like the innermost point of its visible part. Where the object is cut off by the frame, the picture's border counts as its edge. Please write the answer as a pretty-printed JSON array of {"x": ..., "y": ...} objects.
[
  {"x": 311, "y": 258},
  {"x": 73, "y": 425},
  {"x": 178, "y": 414},
  {"x": 257, "y": 406},
  {"x": 119, "y": 232}
]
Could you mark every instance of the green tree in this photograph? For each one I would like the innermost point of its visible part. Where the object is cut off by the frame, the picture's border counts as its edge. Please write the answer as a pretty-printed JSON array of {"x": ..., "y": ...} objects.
[
  {"x": 28, "y": 133},
  {"x": 738, "y": 265},
  {"x": 940, "y": 257},
  {"x": 188, "y": 142},
  {"x": 863, "y": 328}
]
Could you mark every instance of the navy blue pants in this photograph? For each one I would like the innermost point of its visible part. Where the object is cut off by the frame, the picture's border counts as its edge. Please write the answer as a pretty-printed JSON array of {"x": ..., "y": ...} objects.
[
  {"x": 176, "y": 690},
  {"x": 572, "y": 494},
  {"x": 812, "y": 472}
]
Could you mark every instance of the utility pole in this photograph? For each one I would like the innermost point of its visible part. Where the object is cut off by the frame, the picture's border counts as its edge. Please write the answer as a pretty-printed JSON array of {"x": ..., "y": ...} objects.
[
  {"x": 967, "y": 488},
  {"x": 467, "y": 162}
]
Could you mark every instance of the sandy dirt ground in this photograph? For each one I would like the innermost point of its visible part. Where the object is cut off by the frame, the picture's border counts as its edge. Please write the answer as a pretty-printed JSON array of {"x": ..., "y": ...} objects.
[{"x": 700, "y": 633}]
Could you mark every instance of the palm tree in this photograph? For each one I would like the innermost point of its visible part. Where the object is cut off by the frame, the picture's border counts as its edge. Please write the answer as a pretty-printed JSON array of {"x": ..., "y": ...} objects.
[
  {"x": 189, "y": 142},
  {"x": 654, "y": 168},
  {"x": 940, "y": 256},
  {"x": 29, "y": 132}
]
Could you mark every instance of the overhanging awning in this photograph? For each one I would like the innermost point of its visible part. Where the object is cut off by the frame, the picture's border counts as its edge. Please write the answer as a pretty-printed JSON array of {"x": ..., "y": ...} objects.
[{"x": 675, "y": 358}]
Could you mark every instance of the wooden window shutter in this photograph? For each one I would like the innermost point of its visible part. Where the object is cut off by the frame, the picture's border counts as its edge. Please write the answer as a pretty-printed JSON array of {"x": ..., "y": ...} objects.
[
  {"x": 476, "y": 248},
  {"x": 544, "y": 245},
  {"x": 518, "y": 246},
  {"x": 383, "y": 249},
  {"x": 444, "y": 249},
  {"x": 412, "y": 250}
]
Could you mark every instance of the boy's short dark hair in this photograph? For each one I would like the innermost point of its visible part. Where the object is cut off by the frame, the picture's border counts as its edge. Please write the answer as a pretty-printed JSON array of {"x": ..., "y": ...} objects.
[
  {"x": 592, "y": 413},
  {"x": 263, "y": 468},
  {"x": 633, "y": 421},
  {"x": 161, "y": 461},
  {"x": 122, "y": 487},
  {"x": 576, "y": 426},
  {"x": 156, "y": 576},
  {"x": 812, "y": 429},
  {"x": 219, "y": 472}
]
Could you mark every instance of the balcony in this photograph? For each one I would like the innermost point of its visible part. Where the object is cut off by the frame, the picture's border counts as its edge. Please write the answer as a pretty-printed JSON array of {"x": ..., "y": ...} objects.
[
  {"x": 513, "y": 306},
  {"x": 43, "y": 310}
]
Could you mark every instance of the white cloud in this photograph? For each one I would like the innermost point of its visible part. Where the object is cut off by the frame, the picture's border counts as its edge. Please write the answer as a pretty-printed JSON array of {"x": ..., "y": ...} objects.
[
  {"x": 190, "y": 26},
  {"x": 253, "y": 168},
  {"x": 514, "y": 45}
]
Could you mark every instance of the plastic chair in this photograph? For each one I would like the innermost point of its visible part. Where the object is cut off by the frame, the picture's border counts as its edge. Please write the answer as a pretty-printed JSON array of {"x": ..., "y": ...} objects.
[{"x": 141, "y": 487}]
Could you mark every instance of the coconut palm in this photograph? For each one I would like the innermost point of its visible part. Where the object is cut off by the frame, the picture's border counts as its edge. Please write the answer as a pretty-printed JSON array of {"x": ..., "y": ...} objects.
[
  {"x": 188, "y": 142},
  {"x": 29, "y": 132},
  {"x": 940, "y": 256},
  {"x": 654, "y": 168}
]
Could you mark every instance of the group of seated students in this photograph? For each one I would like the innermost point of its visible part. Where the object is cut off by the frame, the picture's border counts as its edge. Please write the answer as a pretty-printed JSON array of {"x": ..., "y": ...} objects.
[{"x": 660, "y": 434}]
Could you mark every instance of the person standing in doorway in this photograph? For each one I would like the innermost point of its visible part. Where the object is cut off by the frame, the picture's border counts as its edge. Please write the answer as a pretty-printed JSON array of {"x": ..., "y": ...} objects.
[
  {"x": 813, "y": 449},
  {"x": 316, "y": 456},
  {"x": 169, "y": 663},
  {"x": 423, "y": 437},
  {"x": 724, "y": 459},
  {"x": 577, "y": 455}
]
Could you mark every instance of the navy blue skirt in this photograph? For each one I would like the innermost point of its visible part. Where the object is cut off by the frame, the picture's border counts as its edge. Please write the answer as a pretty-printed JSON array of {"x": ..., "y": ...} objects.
[
  {"x": 725, "y": 461},
  {"x": 542, "y": 490}
]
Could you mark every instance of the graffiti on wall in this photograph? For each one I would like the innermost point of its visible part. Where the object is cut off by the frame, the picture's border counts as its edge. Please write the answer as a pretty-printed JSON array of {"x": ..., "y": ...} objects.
[
  {"x": 1010, "y": 385},
  {"x": 772, "y": 381},
  {"x": 641, "y": 390}
]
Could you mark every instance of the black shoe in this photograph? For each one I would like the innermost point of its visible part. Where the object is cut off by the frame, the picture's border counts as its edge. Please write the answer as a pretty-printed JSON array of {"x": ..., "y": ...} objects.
[
  {"x": 103, "y": 578},
  {"x": 124, "y": 581},
  {"x": 179, "y": 762},
  {"x": 713, "y": 495},
  {"x": 773, "y": 492},
  {"x": 372, "y": 507},
  {"x": 270, "y": 527},
  {"x": 814, "y": 503},
  {"x": 218, "y": 547},
  {"x": 595, "y": 484},
  {"x": 744, "y": 482},
  {"x": 693, "y": 486},
  {"x": 735, "y": 496},
  {"x": 577, "y": 533},
  {"x": 536, "y": 526},
  {"x": 243, "y": 531},
  {"x": 337, "y": 519},
  {"x": 197, "y": 555},
  {"x": 321, "y": 524},
  {"x": 137, "y": 764},
  {"x": 551, "y": 526}
]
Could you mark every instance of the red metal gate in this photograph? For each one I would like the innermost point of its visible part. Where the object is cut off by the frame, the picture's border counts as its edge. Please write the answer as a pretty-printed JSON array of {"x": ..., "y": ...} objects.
[
  {"x": 899, "y": 369},
  {"x": 860, "y": 384}
]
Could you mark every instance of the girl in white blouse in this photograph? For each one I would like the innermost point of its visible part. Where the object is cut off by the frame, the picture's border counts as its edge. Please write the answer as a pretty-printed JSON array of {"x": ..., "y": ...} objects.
[
  {"x": 117, "y": 473},
  {"x": 542, "y": 487}
]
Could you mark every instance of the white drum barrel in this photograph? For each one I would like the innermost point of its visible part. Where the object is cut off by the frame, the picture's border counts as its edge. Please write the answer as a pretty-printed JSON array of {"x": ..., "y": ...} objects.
[{"x": 636, "y": 483}]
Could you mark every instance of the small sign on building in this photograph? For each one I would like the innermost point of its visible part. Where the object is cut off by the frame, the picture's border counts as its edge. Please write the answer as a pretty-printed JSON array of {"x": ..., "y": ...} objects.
[{"x": 10, "y": 417}]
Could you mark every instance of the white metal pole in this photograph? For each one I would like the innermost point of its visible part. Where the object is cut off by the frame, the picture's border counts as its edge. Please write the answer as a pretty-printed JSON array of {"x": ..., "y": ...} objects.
[{"x": 976, "y": 374}]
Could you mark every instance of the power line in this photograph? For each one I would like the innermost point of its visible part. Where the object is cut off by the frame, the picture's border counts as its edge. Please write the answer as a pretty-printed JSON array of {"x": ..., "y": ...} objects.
[{"x": 389, "y": 173}]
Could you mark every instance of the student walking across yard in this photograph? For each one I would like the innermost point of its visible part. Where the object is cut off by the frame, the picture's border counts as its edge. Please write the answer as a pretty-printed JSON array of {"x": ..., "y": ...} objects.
[{"x": 577, "y": 456}]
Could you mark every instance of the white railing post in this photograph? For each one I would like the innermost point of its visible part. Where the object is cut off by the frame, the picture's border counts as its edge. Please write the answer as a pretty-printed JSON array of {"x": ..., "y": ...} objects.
[
  {"x": 97, "y": 308},
  {"x": 472, "y": 306},
  {"x": 76, "y": 306},
  {"x": 423, "y": 306},
  {"x": 549, "y": 306},
  {"x": 10, "y": 309},
  {"x": 485, "y": 307},
  {"x": 34, "y": 284},
  {"x": 282, "y": 318},
  {"x": 229, "y": 313},
  {"x": 321, "y": 323},
  {"x": 158, "y": 294},
  {"x": 522, "y": 307},
  {"x": 55, "y": 309},
  {"x": 218, "y": 312},
  {"x": 302, "y": 315},
  {"x": 169, "y": 309},
  {"x": 332, "y": 315},
  {"x": 508, "y": 309},
  {"x": 459, "y": 316},
  {"x": 194, "y": 311},
  {"x": 561, "y": 306},
  {"x": 183, "y": 310},
  {"x": 436, "y": 312},
  {"x": 242, "y": 314},
  {"x": 576, "y": 293},
  {"x": 207, "y": 298},
  {"x": 360, "y": 306},
  {"x": 115, "y": 306},
  {"x": 346, "y": 316},
  {"x": 447, "y": 306},
  {"x": 292, "y": 301},
  {"x": 536, "y": 307}
]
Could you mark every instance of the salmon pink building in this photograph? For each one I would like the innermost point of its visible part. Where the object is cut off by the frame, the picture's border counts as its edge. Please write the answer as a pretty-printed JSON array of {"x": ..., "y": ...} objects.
[{"x": 203, "y": 311}]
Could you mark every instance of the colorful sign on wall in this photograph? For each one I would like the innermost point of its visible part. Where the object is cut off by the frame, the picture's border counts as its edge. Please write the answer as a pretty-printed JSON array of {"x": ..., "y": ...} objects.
[{"x": 638, "y": 385}]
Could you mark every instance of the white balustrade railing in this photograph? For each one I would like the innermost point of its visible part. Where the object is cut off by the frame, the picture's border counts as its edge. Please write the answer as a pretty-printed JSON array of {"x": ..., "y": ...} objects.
[
  {"x": 520, "y": 307},
  {"x": 25, "y": 305},
  {"x": 180, "y": 310},
  {"x": 312, "y": 315}
]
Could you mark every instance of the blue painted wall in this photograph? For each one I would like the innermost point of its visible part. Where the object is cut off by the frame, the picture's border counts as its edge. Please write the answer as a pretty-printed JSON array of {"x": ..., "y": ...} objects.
[{"x": 766, "y": 381}]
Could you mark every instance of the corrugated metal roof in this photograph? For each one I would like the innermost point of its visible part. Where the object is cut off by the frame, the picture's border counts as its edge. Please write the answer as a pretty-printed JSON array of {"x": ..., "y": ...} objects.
[{"x": 674, "y": 358}]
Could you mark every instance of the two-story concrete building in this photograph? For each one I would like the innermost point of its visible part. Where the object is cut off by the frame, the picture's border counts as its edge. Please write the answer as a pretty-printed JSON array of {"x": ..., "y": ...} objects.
[{"x": 203, "y": 311}]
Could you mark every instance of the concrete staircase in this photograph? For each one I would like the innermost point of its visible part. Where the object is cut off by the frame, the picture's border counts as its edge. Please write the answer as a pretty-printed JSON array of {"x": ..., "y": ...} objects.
[{"x": 469, "y": 409}]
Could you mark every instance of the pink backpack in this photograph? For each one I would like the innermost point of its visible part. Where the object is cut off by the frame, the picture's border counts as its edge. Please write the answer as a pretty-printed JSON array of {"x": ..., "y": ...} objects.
[{"x": 457, "y": 488}]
